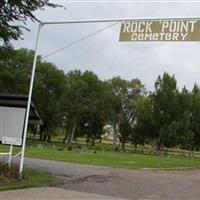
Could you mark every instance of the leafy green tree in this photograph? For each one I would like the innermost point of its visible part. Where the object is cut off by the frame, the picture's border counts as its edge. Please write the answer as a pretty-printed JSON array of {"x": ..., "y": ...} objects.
[
  {"x": 195, "y": 116},
  {"x": 125, "y": 132},
  {"x": 118, "y": 89},
  {"x": 48, "y": 88},
  {"x": 165, "y": 103},
  {"x": 94, "y": 111},
  {"x": 125, "y": 96},
  {"x": 71, "y": 102},
  {"x": 15, "y": 71},
  {"x": 47, "y": 95},
  {"x": 184, "y": 132},
  {"x": 144, "y": 126},
  {"x": 18, "y": 11},
  {"x": 83, "y": 104},
  {"x": 164, "y": 118}
]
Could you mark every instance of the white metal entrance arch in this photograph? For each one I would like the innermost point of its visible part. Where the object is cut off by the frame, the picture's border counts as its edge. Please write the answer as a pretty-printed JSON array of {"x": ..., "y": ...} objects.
[{"x": 76, "y": 22}]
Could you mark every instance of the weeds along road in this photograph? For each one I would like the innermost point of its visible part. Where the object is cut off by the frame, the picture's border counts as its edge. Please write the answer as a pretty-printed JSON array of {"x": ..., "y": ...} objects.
[{"x": 122, "y": 183}]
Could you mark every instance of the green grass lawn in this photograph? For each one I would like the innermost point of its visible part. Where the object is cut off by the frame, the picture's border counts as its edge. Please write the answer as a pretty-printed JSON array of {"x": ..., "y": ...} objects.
[
  {"x": 31, "y": 178},
  {"x": 105, "y": 158},
  {"x": 111, "y": 159}
]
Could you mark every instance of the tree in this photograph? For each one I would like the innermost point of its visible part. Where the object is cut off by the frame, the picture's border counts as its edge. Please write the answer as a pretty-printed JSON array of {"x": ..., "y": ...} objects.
[
  {"x": 125, "y": 131},
  {"x": 15, "y": 71},
  {"x": 47, "y": 95},
  {"x": 118, "y": 89},
  {"x": 83, "y": 105},
  {"x": 184, "y": 132},
  {"x": 18, "y": 11},
  {"x": 195, "y": 116},
  {"x": 163, "y": 118},
  {"x": 94, "y": 112},
  {"x": 125, "y": 96},
  {"x": 71, "y": 103},
  {"x": 144, "y": 126},
  {"x": 164, "y": 104},
  {"x": 48, "y": 86}
]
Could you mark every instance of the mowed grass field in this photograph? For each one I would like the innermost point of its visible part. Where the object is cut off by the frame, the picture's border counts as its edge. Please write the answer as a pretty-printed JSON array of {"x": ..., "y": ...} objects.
[{"x": 57, "y": 151}]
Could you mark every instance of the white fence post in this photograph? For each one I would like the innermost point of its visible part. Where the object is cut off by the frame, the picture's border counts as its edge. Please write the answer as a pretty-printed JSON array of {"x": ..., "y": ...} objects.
[{"x": 10, "y": 156}]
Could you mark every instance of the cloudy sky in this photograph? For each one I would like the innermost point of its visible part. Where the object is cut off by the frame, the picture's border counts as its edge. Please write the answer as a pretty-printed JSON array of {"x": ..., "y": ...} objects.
[{"x": 104, "y": 54}]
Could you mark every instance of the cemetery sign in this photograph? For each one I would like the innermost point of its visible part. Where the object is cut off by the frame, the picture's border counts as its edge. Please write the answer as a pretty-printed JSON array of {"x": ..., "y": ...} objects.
[{"x": 160, "y": 30}]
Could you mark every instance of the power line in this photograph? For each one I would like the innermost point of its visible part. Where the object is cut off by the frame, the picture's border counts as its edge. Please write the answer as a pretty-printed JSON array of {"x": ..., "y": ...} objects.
[{"x": 80, "y": 40}]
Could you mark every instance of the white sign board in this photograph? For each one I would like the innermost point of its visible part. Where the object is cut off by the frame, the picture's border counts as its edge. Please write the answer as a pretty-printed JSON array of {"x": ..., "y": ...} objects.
[
  {"x": 12, "y": 125},
  {"x": 12, "y": 140}
]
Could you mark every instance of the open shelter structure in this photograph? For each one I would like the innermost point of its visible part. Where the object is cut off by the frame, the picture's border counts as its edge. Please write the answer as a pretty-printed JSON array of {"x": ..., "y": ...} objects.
[{"x": 12, "y": 121}]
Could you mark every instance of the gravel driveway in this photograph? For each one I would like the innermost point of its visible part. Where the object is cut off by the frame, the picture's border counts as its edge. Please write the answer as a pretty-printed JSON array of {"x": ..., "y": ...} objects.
[{"x": 123, "y": 183}]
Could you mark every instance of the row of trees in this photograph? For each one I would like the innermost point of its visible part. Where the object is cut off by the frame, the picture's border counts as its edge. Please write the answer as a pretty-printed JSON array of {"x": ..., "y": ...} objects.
[
  {"x": 78, "y": 100},
  {"x": 83, "y": 104},
  {"x": 169, "y": 117}
]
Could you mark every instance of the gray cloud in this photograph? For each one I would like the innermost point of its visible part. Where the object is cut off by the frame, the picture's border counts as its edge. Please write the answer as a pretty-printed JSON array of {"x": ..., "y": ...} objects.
[{"x": 107, "y": 57}]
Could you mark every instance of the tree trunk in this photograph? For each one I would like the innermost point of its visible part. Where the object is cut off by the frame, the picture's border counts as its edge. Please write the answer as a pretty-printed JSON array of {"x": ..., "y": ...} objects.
[
  {"x": 189, "y": 157},
  {"x": 114, "y": 136},
  {"x": 40, "y": 136},
  {"x": 161, "y": 155},
  {"x": 44, "y": 137},
  {"x": 35, "y": 130},
  {"x": 87, "y": 141},
  {"x": 71, "y": 136},
  {"x": 66, "y": 134},
  {"x": 93, "y": 141},
  {"x": 158, "y": 147},
  {"x": 123, "y": 145},
  {"x": 49, "y": 138},
  {"x": 41, "y": 133},
  {"x": 193, "y": 152},
  {"x": 135, "y": 146}
]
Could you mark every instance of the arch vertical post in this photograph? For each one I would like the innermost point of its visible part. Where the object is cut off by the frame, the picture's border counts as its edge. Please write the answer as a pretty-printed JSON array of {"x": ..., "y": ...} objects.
[{"x": 21, "y": 166}]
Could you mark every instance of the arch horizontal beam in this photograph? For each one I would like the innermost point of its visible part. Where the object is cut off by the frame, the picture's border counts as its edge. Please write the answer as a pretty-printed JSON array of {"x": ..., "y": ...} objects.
[{"x": 118, "y": 20}]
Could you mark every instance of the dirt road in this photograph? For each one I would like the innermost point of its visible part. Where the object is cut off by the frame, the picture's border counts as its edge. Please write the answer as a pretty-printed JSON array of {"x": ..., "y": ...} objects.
[{"x": 122, "y": 183}]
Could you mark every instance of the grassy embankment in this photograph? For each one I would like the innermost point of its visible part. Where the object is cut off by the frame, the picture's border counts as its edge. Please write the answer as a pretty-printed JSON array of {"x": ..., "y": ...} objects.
[{"x": 100, "y": 155}]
